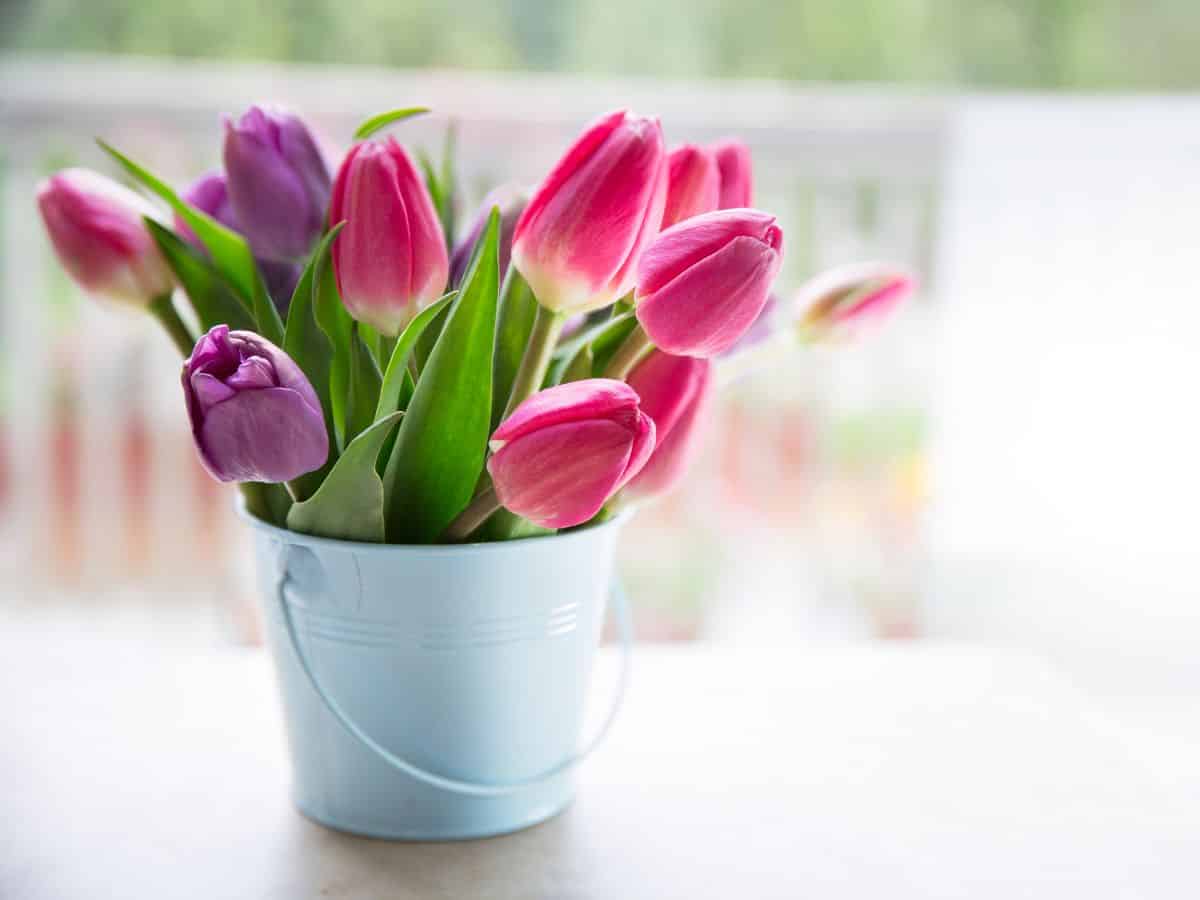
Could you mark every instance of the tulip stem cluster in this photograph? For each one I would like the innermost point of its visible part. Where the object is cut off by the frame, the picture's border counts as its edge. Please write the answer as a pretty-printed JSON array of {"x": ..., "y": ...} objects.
[
  {"x": 543, "y": 337},
  {"x": 631, "y": 351},
  {"x": 478, "y": 511}
]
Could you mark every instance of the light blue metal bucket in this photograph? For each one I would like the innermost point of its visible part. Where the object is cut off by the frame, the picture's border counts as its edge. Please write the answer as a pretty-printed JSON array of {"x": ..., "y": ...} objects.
[{"x": 437, "y": 692}]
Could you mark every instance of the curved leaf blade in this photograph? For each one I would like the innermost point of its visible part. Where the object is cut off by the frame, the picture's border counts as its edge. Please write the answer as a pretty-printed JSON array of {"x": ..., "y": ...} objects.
[
  {"x": 397, "y": 367},
  {"x": 212, "y": 299},
  {"x": 384, "y": 119}
]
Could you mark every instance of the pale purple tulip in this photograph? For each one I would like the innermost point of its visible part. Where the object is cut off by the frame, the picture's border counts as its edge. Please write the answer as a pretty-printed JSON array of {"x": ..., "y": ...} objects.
[
  {"x": 693, "y": 184},
  {"x": 96, "y": 227},
  {"x": 676, "y": 392},
  {"x": 278, "y": 183},
  {"x": 254, "y": 414},
  {"x": 578, "y": 241},
  {"x": 563, "y": 452},
  {"x": 703, "y": 282},
  {"x": 390, "y": 256},
  {"x": 737, "y": 174},
  {"x": 511, "y": 203}
]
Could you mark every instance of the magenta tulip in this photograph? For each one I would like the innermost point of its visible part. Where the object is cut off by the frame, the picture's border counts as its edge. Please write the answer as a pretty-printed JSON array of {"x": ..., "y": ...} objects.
[
  {"x": 737, "y": 175},
  {"x": 675, "y": 392},
  {"x": 579, "y": 239},
  {"x": 254, "y": 414},
  {"x": 703, "y": 282},
  {"x": 278, "y": 183},
  {"x": 841, "y": 302},
  {"x": 693, "y": 184},
  {"x": 390, "y": 257},
  {"x": 564, "y": 451},
  {"x": 98, "y": 234}
]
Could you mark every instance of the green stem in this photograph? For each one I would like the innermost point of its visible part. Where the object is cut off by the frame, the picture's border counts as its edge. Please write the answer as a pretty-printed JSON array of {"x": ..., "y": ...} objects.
[
  {"x": 542, "y": 338},
  {"x": 477, "y": 512},
  {"x": 629, "y": 354},
  {"x": 164, "y": 310}
]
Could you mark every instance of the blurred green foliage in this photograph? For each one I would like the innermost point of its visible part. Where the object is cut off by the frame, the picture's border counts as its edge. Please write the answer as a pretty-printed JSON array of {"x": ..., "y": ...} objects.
[{"x": 1067, "y": 44}]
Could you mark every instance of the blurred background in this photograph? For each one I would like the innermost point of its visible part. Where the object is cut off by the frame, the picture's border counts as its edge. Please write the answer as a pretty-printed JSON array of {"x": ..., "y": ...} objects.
[{"x": 1012, "y": 461}]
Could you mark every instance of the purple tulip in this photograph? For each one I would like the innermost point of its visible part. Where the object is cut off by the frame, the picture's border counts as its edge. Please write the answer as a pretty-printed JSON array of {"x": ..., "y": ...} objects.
[
  {"x": 278, "y": 183},
  {"x": 210, "y": 194},
  {"x": 254, "y": 415},
  {"x": 512, "y": 204}
]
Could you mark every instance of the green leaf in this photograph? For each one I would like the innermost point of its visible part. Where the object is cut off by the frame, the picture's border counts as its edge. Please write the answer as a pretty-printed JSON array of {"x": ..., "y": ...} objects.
[
  {"x": 375, "y": 123},
  {"x": 440, "y": 447},
  {"x": 229, "y": 251},
  {"x": 212, "y": 299},
  {"x": 397, "y": 368},
  {"x": 602, "y": 339},
  {"x": 517, "y": 311},
  {"x": 336, "y": 323},
  {"x": 429, "y": 338},
  {"x": 581, "y": 366},
  {"x": 349, "y": 503},
  {"x": 306, "y": 343},
  {"x": 362, "y": 389},
  {"x": 609, "y": 339}
]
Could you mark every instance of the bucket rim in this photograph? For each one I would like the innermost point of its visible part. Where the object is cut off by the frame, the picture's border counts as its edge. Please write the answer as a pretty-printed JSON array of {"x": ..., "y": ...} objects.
[{"x": 473, "y": 547}]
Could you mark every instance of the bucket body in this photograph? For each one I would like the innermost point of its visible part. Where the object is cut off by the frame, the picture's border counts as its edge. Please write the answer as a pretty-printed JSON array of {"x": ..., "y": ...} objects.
[{"x": 470, "y": 661}]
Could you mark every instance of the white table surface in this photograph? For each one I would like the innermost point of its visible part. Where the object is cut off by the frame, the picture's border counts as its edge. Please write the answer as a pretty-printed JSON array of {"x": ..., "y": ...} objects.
[{"x": 144, "y": 762}]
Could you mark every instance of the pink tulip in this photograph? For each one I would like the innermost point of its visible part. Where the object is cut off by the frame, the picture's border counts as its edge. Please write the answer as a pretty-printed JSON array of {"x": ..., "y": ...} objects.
[
  {"x": 578, "y": 241},
  {"x": 675, "y": 392},
  {"x": 564, "y": 451},
  {"x": 841, "y": 302},
  {"x": 390, "y": 257},
  {"x": 693, "y": 185},
  {"x": 97, "y": 231},
  {"x": 737, "y": 174},
  {"x": 702, "y": 283}
]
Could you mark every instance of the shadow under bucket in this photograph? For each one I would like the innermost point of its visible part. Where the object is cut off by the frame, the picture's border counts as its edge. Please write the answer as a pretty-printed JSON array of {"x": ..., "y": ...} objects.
[{"x": 436, "y": 692}]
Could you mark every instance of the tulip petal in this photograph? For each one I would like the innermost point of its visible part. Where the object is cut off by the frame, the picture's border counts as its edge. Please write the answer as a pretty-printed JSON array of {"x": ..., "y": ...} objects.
[
  {"x": 261, "y": 435},
  {"x": 270, "y": 201},
  {"x": 737, "y": 174},
  {"x": 591, "y": 398},
  {"x": 683, "y": 245},
  {"x": 694, "y": 184}
]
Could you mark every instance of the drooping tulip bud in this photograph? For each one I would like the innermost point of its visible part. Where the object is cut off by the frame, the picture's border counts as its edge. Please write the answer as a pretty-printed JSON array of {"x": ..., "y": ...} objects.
[
  {"x": 841, "y": 302},
  {"x": 511, "y": 203},
  {"x": 578, "y": 241},
  {"x": 210, "y": 194},
  {"x": 693, "y": 184},
  {"x": 98, "y": 234},
  {"x": 564, "y": 451},
  {"x": 702, "y": 283},
  {"x": 737, "y": 174},
  {"x": 254, "y": 414},
  {"x": 278, "y": 183},
  {"x": 675, "y": 392},
  {"x": 390, "y": 257}
]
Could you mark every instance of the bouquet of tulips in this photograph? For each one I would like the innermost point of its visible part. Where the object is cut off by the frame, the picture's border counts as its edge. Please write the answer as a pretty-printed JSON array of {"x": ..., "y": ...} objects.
[{"x": 364, "y": 376}]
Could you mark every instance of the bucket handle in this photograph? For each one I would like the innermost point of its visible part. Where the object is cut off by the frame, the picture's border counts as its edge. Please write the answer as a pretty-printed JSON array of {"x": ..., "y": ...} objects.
[{"x": 620, "y": 606}]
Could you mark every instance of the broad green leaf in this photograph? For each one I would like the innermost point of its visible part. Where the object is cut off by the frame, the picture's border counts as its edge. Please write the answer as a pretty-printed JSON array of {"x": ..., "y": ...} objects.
[
  {"x": 362, "y": 389},
  {"x": 375, "y": 123},
  {"x": 440, "y": 447},
  {"x": 449, "y": 190},
  {"x": 517, "y": 310},
  {"x": 349, "y": 503},
  {"x": 429, "y": 338},
  {"x": 230, "y": 253},
  {"x": 336, "y": 323},
  {"x": 213, "y": 301},
  {"x": 269, "y": 502},
  {"x": 397, "y": 367},
  {"x": 310, "y": 347}
]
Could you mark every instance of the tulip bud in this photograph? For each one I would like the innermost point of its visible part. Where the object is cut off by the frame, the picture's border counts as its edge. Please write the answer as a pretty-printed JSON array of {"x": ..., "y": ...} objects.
[
  {"x": 210, "y": 194},
  {"x": 840, "y": 302},
  {"x": 702, "y": 283},
  {"x": 693, "y": 184},
  {"x": 98, "y": 234},
  {"x": 578, "y": 241},
  {"x": 254, "y": 414},
  {"x": 390, "y": 257},
  {"x": 737, "y": 174},
  {"x": 564, "y": 451},
  {"x": 675, "y": 392},
  {"x": 278, "y": 183},
  {"x": 511, "y": 204}
]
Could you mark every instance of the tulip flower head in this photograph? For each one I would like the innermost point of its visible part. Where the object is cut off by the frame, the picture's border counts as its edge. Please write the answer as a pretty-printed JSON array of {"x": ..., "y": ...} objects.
[
  {"x": 98, "y": 234},
  {"x": 390, "y": 257},
  {"x": 675, "y": 392},
  {"x": 563, "y": 452},
  {"x": 693, "y": 184},
  {"x": 840, "y": 303},
  {"x": 254, "y": 414},
  {"x": 737, "y": 174},
  {"x": 578, "y": 241},
  {"x": 278, "y": 183},
  {"x": 703, "y": 282}
]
